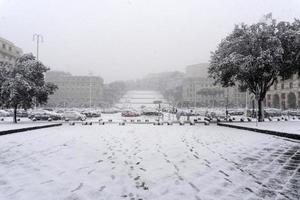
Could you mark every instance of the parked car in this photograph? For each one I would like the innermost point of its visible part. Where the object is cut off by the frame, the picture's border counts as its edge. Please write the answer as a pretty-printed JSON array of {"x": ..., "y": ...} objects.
[
  {"x": 22, "y": 113},
  {"x": 291, "y": 113},
  {"x": 272, "y": 112},
  {"x": 91, "y": 113},
  {"x": 44, "y": 115},
  {"x": 110, "y": 111},
  {"x": 73, "y": 115},
  {"x": 236, "y": 112},
  {"x": 4, "y": 113},
  {"x": 130, "y": 114},
  {"x": 151, "y": 112}
]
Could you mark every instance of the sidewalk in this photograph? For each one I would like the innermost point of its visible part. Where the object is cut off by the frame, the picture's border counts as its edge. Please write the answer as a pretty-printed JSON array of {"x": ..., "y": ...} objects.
[
  {"x": 8, "y": 127},
  {"x": 288, "y": 129}
]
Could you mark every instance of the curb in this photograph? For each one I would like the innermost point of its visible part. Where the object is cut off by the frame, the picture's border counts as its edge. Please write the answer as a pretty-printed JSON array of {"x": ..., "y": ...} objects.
[
  {"x": 269, "y": 132},
  {"x": 6, "y": 132}
]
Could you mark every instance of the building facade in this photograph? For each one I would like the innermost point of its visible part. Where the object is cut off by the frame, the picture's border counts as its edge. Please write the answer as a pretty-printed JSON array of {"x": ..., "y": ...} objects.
[
  {"x": 200, "y": 91},
  {"x": 285, "y": 94},
  {"x": 8, "y": 51},
  {"x": 75, "y": 91}
]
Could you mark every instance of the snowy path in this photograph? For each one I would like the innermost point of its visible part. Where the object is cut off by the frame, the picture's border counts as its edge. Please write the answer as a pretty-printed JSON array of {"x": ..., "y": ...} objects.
[{"x": 147, "y": 162}]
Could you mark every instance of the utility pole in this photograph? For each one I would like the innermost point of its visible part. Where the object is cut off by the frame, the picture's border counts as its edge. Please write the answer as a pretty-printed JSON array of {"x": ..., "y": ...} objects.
[{"x": 38, "y": 38}]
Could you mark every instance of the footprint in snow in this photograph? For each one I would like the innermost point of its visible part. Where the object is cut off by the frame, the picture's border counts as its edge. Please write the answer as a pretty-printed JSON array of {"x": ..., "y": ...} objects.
[
  {"x": 45, "y": 182},
  {"x": 78, "y": 188},
  {"x": 102, "y": 188}
]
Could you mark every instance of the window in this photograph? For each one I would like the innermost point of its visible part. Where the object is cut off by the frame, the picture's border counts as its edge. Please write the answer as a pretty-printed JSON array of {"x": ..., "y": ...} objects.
[
  {"x": 283, "y": 95},
  {"x": 282, "y": 85},
  {"x": 291, "y": 85},
  {"x": 3, "y": 46},
  {"x": 9, "y": 48},
  {"x": 269, "y": 97},
  {"x": 275, "y": 86}
]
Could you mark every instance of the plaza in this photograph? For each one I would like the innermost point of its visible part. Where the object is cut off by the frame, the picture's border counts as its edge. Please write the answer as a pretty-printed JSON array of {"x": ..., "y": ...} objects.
[{"x": 148, "y": 162}]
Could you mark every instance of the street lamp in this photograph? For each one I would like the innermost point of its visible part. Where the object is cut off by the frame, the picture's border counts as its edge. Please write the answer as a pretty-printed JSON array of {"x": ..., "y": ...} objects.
[
  {"x": 38, "y": 38},
  {"x": 195, "y": 96},
  {"x": 226, "y": 103},
  {"x": 90, "y": 74}
]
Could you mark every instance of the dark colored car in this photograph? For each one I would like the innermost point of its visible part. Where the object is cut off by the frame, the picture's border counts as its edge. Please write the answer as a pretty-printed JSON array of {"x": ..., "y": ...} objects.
[
  {"x": 91, "y": 114},
  {"x": 130, "y": 114},
  {"x": 151, "y": 113}
]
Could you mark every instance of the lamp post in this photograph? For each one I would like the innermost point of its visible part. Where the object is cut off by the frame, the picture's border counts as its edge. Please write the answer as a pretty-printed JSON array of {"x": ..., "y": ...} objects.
[
  {"x": 90, "y": 74},
  {"x": 195, "y": 96},
  {"x": 226, "y": 103},
  {"x": 246, "y": 106},
  {"x": 38, "y": 38}
]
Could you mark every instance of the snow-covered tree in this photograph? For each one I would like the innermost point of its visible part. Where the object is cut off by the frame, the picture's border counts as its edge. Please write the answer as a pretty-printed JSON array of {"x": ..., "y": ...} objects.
[
  {"x": 252, "y": 57},
  {"x": 23, "y": 84},
  {"x": 289, "y": 36}
]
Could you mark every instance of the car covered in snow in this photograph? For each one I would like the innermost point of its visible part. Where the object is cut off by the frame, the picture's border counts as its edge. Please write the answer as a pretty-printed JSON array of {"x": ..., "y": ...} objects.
[
  {"x": 291, "y": 113},
  {"x": 91, "y": 113},
  {"x": 22, "y": 113},
  {"x": 44, "y": 115},
  {"x": 130, "y": 114},
  {"x": 73, "y": 115},
  {"x": 151, "y": 112},
  {"x": 236, "y": 112},
  {"x": 110, "y": 111},
  {"x": 4, "y": 113},
  {"x": 272, "y": 112}
]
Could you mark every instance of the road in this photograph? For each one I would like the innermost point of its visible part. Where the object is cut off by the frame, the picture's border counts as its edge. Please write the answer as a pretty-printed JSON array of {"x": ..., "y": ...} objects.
[{"x": 148, "y": 162}]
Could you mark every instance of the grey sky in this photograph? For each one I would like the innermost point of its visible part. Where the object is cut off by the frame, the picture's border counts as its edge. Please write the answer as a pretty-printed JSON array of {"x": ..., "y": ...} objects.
[{"x": 126, "y": 39}]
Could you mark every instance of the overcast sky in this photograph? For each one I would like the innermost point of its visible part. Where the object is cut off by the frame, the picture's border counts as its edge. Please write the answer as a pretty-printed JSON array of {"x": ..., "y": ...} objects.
[{"x": 126, "y": 39}]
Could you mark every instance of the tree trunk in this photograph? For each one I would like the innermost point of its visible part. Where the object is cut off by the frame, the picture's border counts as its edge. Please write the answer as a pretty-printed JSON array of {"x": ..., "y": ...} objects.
[
  {"x": 260, "y": 110},
  {"x": 15, "y": 114}
]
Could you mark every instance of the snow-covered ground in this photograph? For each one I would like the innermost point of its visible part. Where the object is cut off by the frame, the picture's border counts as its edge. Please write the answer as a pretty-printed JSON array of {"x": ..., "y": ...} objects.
[
  {"x": 280, "y": 126},
  {"x": 147, "y": 162}
]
